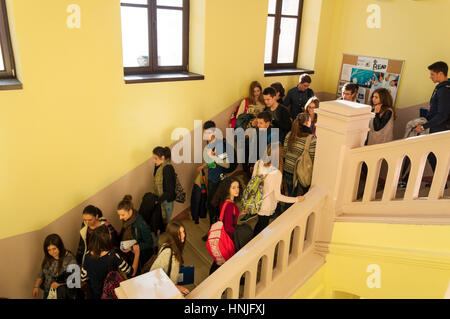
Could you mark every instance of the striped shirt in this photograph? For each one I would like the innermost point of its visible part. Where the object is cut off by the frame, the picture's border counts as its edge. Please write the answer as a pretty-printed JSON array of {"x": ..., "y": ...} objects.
[
  {"x": 291, "y": 156},
  {"x": 96, "y": 270}
]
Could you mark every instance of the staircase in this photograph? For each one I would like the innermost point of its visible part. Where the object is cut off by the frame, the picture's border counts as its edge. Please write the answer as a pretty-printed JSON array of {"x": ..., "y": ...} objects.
[{"x": 195, "y": 252}]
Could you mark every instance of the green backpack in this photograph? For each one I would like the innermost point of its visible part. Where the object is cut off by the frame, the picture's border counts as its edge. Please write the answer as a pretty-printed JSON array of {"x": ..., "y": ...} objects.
[{"x": 252, "y": 196}]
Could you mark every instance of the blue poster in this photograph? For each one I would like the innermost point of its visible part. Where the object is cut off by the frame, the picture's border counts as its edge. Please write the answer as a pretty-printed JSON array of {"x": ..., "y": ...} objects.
[{"x": 362, "y": 77}]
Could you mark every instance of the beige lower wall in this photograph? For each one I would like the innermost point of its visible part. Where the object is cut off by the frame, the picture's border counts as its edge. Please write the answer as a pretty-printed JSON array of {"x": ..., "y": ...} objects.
[{"x": 22, "y": 255}]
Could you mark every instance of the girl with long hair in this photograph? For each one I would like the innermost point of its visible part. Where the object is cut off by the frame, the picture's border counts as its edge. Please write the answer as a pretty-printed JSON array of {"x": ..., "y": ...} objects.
[
  {"x": 100, "y": 260},
  {"x": 294, "y": 146},
  {"x": 53, "y": 269},
  {"x": 313, "y": 103},
  {"x": 271, "y": 190},
  {"x": 170, "y": 255},
  {"x": 382, "y": 125},
  {"x": 226, "y": 197}
]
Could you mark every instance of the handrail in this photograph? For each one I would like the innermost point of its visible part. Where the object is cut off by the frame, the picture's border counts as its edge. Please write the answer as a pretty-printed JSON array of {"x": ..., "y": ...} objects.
[
  {"x": 294, "y": 232},
  {"x": 417, "y": 149}
]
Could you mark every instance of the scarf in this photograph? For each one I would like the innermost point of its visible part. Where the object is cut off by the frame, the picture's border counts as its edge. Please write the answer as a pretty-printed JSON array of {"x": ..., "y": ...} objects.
[
  {"x": 127, "y": 227},
  {"x": 158, "y": 184}
]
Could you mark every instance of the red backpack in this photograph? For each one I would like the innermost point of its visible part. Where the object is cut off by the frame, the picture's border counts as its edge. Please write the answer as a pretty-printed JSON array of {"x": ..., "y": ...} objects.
[
  {"x": 220, "y": 246},
  {"x": 112, "y": 281},
  {"x": 233, "y": 118}
]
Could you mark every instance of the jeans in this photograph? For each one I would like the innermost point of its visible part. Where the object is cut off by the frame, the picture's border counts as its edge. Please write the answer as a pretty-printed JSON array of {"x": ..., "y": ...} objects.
[
  {"x": 212, "y": 211},
  {"x": 168, "y": 206}
]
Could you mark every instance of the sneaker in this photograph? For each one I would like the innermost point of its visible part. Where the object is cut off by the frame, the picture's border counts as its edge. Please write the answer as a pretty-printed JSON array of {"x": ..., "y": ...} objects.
[
  {"x": 204, "y": 238},
  {"x": 402, "y": 185}
]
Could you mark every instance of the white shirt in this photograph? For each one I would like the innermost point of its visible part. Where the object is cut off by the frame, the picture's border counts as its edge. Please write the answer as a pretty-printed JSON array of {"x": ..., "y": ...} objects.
[{"x": 272, "y": 188}]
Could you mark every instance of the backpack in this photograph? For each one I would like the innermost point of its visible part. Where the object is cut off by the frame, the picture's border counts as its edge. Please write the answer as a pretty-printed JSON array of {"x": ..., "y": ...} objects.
[
  {"x": 303, "y": 166},
  {"x": 244, "y": 121},
  {"x": 234, "y": 116},
  {"x": 252, "y": 196},
  {"x": 111, "y": 282},
  {"x": 148, "y": 265},
  {"x": 219, "y": 244},
  {"x": 180, "y": 194},
  {"x": 151, "y": 212}
]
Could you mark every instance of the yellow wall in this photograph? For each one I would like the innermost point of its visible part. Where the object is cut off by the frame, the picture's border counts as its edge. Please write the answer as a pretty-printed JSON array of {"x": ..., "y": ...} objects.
[
  {"x": 414, "y": 31},
  {"x": 76, "y": 126},
  {"x": 414, "y": 262}
]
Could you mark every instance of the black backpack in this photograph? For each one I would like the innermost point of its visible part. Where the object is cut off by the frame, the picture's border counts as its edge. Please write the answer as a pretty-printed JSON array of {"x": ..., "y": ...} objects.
[{"x": 151, "y": 212}]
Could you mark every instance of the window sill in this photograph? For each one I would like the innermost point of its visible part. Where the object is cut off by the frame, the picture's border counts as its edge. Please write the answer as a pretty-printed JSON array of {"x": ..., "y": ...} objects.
[
  {"x": 163, "y": 77},
  {"x": 10, "y": 84},
  {"x": 283, "y": 72}
]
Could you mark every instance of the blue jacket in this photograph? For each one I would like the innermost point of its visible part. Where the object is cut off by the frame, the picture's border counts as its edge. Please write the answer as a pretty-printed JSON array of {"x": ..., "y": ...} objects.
[{"x": 439, "y": 115}]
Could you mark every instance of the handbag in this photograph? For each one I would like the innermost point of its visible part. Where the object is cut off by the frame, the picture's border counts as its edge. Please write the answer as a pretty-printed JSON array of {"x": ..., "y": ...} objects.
[
  {"x": 180, "y": 194},
  {"x": 219, "y": 244}
]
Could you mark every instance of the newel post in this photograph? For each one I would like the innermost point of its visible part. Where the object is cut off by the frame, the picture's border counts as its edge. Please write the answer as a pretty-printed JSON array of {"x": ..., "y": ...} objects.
[{"x": 341, "y": 126}]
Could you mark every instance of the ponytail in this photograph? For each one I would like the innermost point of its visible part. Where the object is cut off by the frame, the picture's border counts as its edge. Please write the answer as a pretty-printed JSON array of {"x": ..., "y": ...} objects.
[{"x": 162, "y": 151}]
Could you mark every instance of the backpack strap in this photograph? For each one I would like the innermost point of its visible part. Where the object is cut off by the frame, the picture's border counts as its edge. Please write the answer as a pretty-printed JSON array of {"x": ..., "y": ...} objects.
[
  {"x": 222, "y": 212},
  {"x": 307, "y": 143},
  {"x": 170, "y": 259}
]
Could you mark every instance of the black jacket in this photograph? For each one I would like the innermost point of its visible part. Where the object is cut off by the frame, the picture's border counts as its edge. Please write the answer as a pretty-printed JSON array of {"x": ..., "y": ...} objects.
[
  {"x": 439, "y": 115},
  {"x": 281, "y": 120},
  {"x": 169, "y": 182},
  {"x": 297, "y": 100}
]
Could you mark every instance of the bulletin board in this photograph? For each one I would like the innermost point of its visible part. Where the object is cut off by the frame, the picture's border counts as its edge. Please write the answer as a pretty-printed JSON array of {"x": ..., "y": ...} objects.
[{"x": 370, "y": 73}]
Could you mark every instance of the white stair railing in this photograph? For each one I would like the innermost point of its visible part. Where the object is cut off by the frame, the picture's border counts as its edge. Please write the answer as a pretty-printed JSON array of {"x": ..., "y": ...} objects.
[
  {"x": 292, "y": 236},
  {"x": 417, "y": 149}
]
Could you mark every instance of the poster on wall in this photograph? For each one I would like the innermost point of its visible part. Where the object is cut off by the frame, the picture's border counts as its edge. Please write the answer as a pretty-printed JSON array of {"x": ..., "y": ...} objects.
[
  {"x": 362, "y": 77},
  {"x": 370, "y": 73},
  {"x": 386, "y": 80}
]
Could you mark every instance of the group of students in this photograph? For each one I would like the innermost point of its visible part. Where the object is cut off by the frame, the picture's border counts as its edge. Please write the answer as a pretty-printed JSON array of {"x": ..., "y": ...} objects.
[{"x": 103, "y": 250}]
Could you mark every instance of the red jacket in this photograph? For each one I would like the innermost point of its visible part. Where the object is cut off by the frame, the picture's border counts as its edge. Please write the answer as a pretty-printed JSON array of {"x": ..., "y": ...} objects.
[{"x": 230, "y": 217}]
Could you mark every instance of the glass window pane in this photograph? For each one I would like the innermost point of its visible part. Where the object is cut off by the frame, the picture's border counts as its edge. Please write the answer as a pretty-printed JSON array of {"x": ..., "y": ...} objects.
[
  {"x": 269, "y": 39},
  {"x": 135, "y": 36},
  {"x": 286, "y": 46},
  {"x": 2, "y": 66},
  {"x": 290, "y": 7},
  {"x": 134, "y": 1},
  {"x": 272, "y": 6},
  {"x": 170, "y": 3},
  {"x": 170, "y": 37}
]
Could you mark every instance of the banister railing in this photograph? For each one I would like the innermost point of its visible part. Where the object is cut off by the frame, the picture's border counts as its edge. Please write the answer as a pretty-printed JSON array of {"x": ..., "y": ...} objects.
[
  {"x": 292, "y": 237},
  {"x": 417, "y": 150}
]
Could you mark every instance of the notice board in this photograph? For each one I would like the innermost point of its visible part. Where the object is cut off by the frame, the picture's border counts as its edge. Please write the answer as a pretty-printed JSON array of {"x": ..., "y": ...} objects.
[{"x": 370, "y": 73}]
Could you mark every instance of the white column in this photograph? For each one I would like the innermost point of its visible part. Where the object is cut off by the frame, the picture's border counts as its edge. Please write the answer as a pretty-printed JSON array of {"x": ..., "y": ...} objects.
[{"x": 341, "y": 126}]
